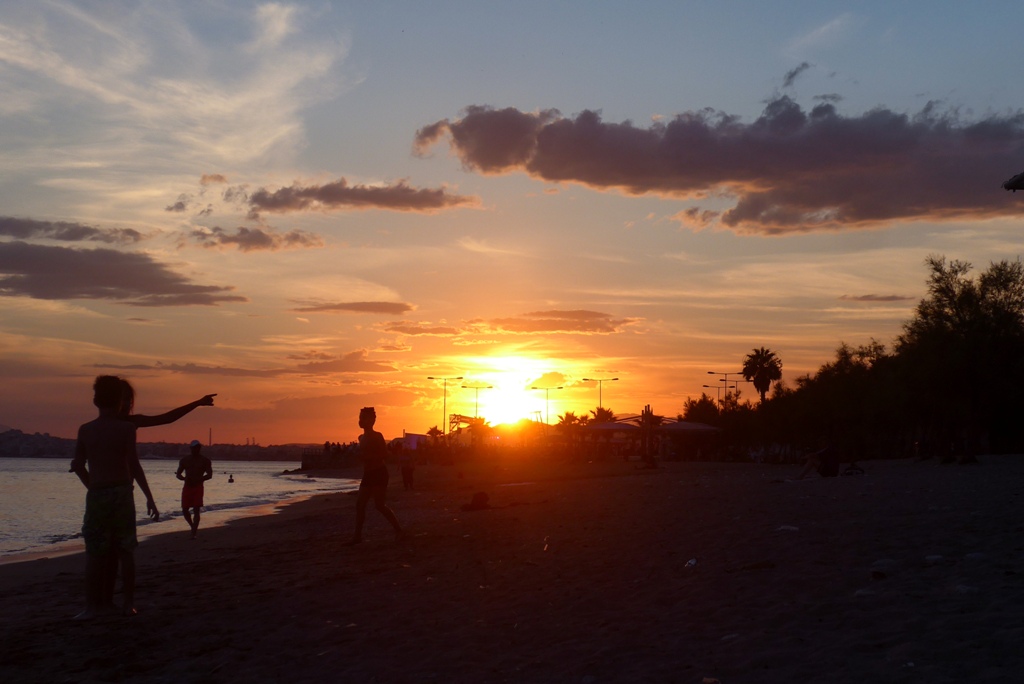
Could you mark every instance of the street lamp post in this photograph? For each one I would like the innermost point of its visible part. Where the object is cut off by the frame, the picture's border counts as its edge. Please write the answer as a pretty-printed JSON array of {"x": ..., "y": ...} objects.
[
  {"x": 476, "y": 407},
  {"x": 726, "y": 379},
  {"x": 738, "y": 381},
  {"x": 599, "y": 381},
  {"x": 444, "y": 403},
  {"x": 546, "y": 390},
  {"x": 718, "y": 391}
]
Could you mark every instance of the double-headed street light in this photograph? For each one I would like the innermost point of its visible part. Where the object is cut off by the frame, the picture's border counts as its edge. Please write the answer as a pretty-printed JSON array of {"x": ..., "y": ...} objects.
[
  {"x": 718, "y": 389},
  {"x": 476, "y": 408},
  {"x": 599, "y": 381},
  {"x": 726, "y": 379},
  {"x": 546, "y": 390},
  {"x": 444, "y": 403}
]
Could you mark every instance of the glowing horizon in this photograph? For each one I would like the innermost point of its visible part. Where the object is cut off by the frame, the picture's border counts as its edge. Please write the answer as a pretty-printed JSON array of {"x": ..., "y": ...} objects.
[{"x": 312, "y": 207}]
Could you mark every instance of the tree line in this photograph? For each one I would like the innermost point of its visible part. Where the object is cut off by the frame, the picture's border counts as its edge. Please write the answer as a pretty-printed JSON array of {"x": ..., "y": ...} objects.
[{"x": 950, "y": 386}]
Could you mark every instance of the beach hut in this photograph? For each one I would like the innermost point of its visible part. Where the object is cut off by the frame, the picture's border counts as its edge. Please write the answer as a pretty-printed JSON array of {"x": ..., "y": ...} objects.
[
  {"x": 612, "y": 439},
  {"x": 686, "y": 440}
]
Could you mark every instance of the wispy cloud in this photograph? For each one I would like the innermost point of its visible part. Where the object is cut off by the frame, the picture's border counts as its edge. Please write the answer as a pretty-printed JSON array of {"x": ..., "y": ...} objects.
[
  {"x": 416, "y": 328},
  {"x": 152, "y": 95},
  {"x": 481, "y": 247},
  {"x": 555, "y": 321},
  {"x": 789, "y": 171},
  {"x": 354, "y": 362},
  {"x": 390, "y": 308},
  {"x": 876, "y": 298},
  {"x": 255, "y": 239},
  {"x": 46, "y": 272},
  {"x": 792, "y": 74},
  {"x": 198, "y": 369},
  {"x": 399, "y": 196},
  {"x": 829, "y": 33}
]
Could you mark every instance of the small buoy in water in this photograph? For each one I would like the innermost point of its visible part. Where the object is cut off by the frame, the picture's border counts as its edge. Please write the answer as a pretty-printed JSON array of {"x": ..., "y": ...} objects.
[{"x": 231, "y": 477}]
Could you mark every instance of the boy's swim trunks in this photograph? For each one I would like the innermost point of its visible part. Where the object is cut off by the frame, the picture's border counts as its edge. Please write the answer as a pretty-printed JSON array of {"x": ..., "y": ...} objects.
[{"x": 109, "y": 523}]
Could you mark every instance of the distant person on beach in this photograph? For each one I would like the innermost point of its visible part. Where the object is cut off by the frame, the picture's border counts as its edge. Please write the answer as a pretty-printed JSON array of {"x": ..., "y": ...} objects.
[
  {"x": 107, "y": 463},
  {"x": 374, "y": 484},
  {"x": 193, "y": 470}
]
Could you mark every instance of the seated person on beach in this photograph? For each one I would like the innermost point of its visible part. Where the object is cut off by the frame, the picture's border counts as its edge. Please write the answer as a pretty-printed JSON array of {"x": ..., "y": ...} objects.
[
  {"x": 193, "y": 470},
  {"x": 107, "y": 463},
  {"x": 825, "y": 460},
  {"x": 374, "y": 484}
]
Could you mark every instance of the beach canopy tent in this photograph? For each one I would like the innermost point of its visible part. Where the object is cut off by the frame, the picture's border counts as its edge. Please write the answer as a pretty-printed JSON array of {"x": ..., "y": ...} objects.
[
  {"x": 685, "y": 426},
  {"x": 611, "y": 427}
]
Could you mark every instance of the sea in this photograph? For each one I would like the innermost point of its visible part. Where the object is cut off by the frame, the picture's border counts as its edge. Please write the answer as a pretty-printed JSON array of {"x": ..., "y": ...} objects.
[{"x": 41, "y": 503}]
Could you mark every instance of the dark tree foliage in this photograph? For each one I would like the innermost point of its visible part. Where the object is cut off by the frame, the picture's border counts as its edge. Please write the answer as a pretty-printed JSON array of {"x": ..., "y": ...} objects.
[
  {"x": 703, "y": 410},
  {"x": 962, "y": 353},
  {"x": 953, "y": 384}
]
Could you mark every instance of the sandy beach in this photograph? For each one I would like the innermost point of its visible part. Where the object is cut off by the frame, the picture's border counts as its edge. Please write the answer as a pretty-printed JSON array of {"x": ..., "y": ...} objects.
[{"x": 584, "y": 573}]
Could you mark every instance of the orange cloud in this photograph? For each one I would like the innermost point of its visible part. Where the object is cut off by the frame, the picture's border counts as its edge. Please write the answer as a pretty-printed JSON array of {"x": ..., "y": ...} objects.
[{"x": 390, "y": 308}]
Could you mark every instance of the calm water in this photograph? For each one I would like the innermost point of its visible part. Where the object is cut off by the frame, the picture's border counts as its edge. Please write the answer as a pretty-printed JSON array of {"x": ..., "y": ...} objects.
[{"x": 41, "y": 503}]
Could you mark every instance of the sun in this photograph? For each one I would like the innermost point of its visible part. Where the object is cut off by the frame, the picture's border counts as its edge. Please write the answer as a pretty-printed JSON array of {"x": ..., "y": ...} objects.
[
  {"x": 509, "y": 405},
  {"x": 509, "y": 399}
]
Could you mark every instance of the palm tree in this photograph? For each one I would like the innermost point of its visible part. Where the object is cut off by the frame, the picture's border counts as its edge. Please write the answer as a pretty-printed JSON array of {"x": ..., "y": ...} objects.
[
  {"x": 602, "y": 415},
  {"x": 436, "y": 434},
  {"x": 762, "y": 367},
  {"x": 648, "y": 421},
  {"x": 568, "y": 421}
]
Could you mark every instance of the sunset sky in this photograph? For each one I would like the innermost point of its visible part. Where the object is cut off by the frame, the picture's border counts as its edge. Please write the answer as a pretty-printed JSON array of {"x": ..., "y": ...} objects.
[{"x": 311, "y": 207}]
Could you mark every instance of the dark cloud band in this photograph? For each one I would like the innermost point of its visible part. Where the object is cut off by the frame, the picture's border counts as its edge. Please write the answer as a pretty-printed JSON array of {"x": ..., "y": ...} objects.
[
  {"x": 64, "y": 231},
  {"x": 340, "y": 195},
  {"x": 789, "y": 171},
  {"x": 45, "y": 272}
]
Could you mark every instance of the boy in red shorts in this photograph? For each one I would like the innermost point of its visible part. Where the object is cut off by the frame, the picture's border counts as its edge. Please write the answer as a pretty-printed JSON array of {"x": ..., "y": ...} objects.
[{"x": 197, "y": 469}]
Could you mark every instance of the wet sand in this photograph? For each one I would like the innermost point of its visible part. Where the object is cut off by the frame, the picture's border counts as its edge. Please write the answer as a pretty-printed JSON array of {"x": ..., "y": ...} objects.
[{"x": 913, "y": 572}]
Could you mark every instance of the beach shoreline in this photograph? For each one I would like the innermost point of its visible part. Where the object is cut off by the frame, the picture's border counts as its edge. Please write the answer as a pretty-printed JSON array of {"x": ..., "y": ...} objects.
[{"x": 596, "y": 572}]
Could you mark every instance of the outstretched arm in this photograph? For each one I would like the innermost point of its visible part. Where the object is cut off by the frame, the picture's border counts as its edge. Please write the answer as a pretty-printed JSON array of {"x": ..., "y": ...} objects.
[{"x": 172, "y": 415}]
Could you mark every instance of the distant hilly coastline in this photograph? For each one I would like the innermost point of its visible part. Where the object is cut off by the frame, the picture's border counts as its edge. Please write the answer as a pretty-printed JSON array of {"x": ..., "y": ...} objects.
[{"x": 18, "y": 444}]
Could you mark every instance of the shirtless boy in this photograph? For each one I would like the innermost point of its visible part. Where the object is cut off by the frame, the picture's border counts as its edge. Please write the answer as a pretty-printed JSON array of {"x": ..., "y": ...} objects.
[
  {"x": 197, "y": 469},
  {"x": 374, "y": 484},
  {"x": 106, "y": 462}
]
